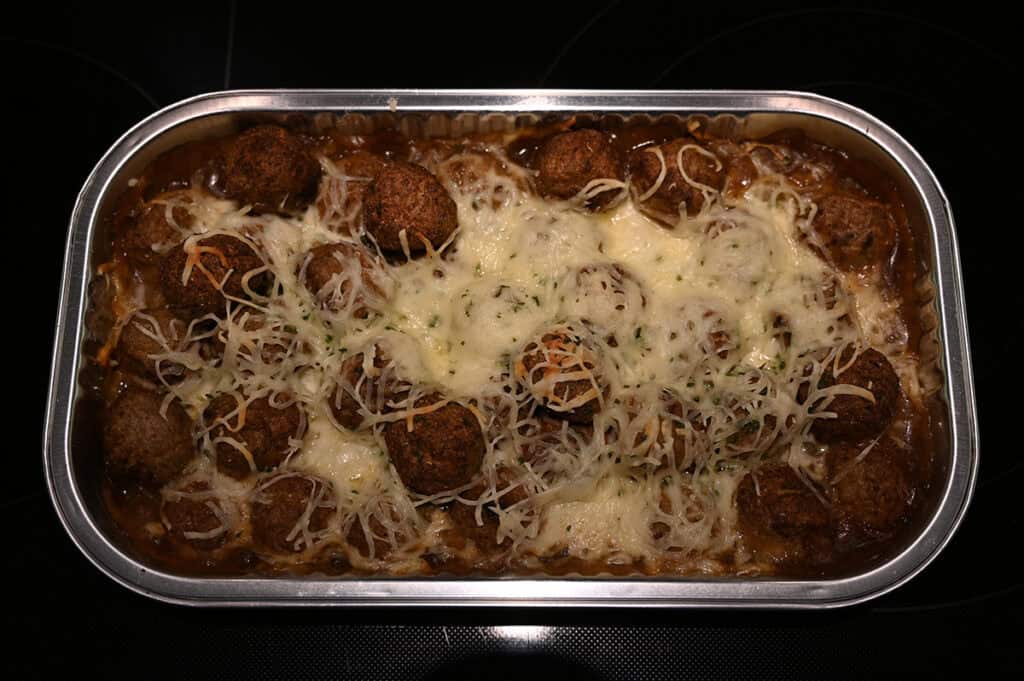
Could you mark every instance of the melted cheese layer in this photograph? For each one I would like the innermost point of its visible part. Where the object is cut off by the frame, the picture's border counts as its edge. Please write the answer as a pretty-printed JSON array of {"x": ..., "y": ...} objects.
[{"x": 717, "y": 313}]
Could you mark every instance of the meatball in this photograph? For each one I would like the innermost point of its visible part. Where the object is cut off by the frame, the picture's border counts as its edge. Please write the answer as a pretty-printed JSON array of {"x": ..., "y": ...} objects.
[
  {"x": 609, "y": 296},
  {"x": 406, "y": 198},
  {"x": 380, "y": 535},
  {"x": 437, "y": 450},
  {"x": 194, "y": 516},
  {"x": 569, "y": 161},
  {"x": 483, "y": 176},
  {"x": 741, "y": 174},
  {"x": 357, "y": 389},
  {"x": 484, "y": 534},
  {"x": 677, "y": 499},
  {"x": 751, "y": 434},
  {"x": 209, "y": 261},
  {"x": 141, "y": 443},
  {"x": 252, "y": 338},
  {"x": 855, "y": 232},
  {"x": 560, "y": 371},
  {"x": 661, "y": 429},
  {"x": 136, "y": 345},
  {"x": 858, "y": 418},
  {"x": 540, "y": 435},
  {"x": 270, "y": 169},
  {"x": 161, "y": 224},
  {"x": 329, "y": 271},
  {"x": 685, "y": 425},
  {"x": 507, "y": 492},
  {"x": 340, "y": 201},
  {"x": 290, "y": 512},
  {"x": 675, "y": 195},
  {"x": 265, "y": 432},
  {"x": 781, "y": 518},
  {"x": 700, "y": 328},
  {"x": 872, "y": 495}
]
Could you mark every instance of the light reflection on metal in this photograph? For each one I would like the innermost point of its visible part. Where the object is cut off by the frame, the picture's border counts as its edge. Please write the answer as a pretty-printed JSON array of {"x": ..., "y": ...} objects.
[{"x": 521, "y": 635}]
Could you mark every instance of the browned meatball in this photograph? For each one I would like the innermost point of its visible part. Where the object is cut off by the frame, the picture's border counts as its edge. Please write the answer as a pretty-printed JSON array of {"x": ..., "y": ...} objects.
[
  {"x": 344, "y": 403},
  {"x": 290, "y": 512},
  {"x": 380, "y": 535},
  {"x": 209, "y": 261},
  {"x": 781, "y": 518},
  {"x": 681, "y": 503},
  {"x": 674, "y": 196},
  {"x": 657, "y": 433},
  {"x": 356, "y": 538},
  {"x": 269, "y": 346},
  {"x": 356, "y": 390},
  {"x": 482, "y": 175},
  {"x": 193, "y": 517},
  {"x": 857, "y": 418},
  {"x": 508, "y": 493},
  {"x": 153, "y": 233},
  {"x": 141, "y": 443},
  {"x": 484, "y": 535},
  {"x": 686, "y": 421},
  {"x": 270, "y": 169},
  {"x": 136, "y": 345},
  {"x": 855, "y": 232},
  {"x": 751, "y": 433},
  {"x": 741, "y": 174},
  {"x": 569, "y": 161},
  {"x": 264, "y": 432},
  {"x": 545, "y": 364},
  {"x": 465, "y": 527},
  {"x": 872, "y": 495},
  {"x": 340, "y": 201},
  {"x": 442, "y": 449},
  {"x": 360, "y": 166},
  {"x": 539, "y": 436},
  {"x": 328, "y": 271},
  {"x": 406, "y": 197}
]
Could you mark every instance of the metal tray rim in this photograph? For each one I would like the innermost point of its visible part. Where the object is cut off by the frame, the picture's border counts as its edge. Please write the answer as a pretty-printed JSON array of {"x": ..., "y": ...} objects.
[{"x": 554, "y": 591}]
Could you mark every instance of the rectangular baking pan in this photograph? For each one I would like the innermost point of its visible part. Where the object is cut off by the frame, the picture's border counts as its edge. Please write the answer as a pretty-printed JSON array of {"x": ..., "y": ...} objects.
[{"x": 73, "y": 462}]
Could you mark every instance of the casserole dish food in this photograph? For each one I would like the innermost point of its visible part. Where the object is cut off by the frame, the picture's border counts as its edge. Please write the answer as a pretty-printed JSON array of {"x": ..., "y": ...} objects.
[{"x": 596, "y": 344}]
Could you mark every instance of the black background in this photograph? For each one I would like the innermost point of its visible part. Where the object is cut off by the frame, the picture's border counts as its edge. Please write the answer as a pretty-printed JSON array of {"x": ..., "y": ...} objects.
[{"x": 77, "y": 78}]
